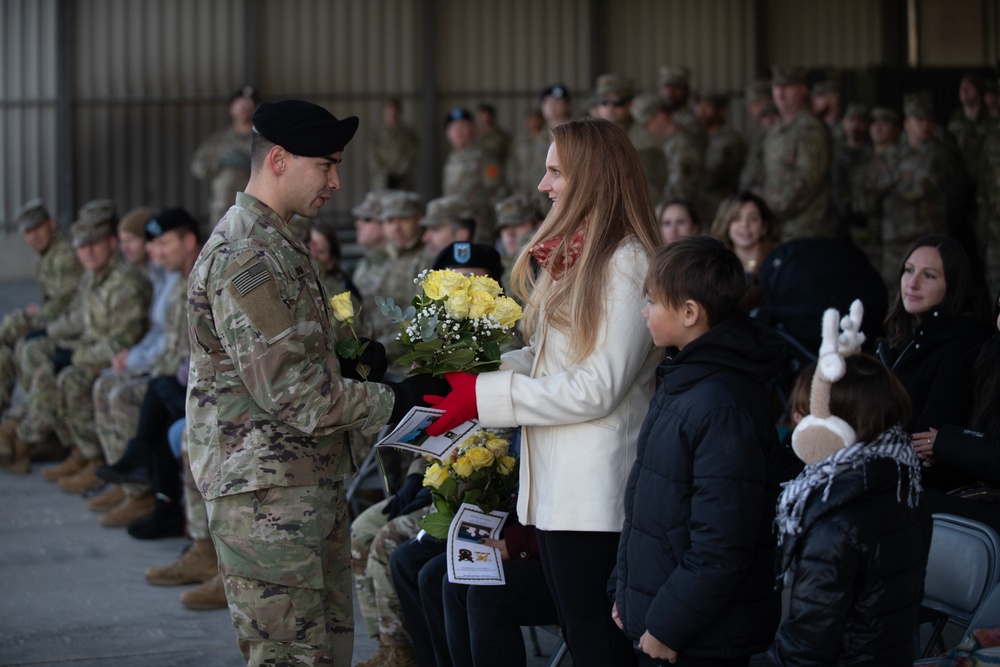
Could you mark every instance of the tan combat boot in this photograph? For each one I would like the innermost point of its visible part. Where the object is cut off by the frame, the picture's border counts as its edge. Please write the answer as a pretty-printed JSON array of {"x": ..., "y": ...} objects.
[
  {"x": 128, "y": 511},
  {"x": 391, "y": 656},
  {"x": 70, "y": 466},
  {"x": 21, "y": 465},
  {"x": 210, "y": 595},
  {"x": 8, "y": 433},
  {"x": 195, "y": 565},
  {"x": 83, "y": 479},
  {"x": 107, "y": 500}
]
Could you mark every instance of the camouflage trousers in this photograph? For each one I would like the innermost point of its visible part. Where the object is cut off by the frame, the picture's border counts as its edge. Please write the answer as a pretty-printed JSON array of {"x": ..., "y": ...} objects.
[
  {"x": 13, "y": 328},
  {"x": 373, "y": 539},
  {"x": 194, "y": 503},
  {"x": 117, "y": 399},
  {"x": 285, "y": 564},
  {"x": 61, "y": 403}
]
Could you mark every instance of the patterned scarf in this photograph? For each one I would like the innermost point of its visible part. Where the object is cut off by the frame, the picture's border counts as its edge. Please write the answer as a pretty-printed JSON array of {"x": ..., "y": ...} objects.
[
  {"x": 893, "y": 444},
  {"x": 557, "y": 266}
]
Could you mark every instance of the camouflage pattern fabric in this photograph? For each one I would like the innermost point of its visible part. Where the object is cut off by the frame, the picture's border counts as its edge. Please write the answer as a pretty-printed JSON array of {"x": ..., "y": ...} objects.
[
  {"x": 651, "y": 157},
  {"x": 970, "y": 135},
  {"x": 497, "y": 143},
  {"x": 284, "y": 560},
  {"x": 988, "y": 193},
  {"x": 752, "y": 176},
  {"x": 224, "y": 159},
  {"x": 117, "y": 400},
  {"x": 724, "y": 160},
  {"x": 797, "y": 176},
  {"x": 476, "y": 175},
  {"x": 529, "y": 155},
  {"x": 373, "y": 539},
  {"x": 685, "y": 168},
  {"x": 392, "y": 158},
  {"x": 195, "y": 511}
]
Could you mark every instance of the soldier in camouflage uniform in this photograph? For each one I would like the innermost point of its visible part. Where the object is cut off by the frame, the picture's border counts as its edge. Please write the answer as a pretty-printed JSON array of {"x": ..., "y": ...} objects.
[
  {"x": 393, "y": 151},
  {"x": 870, "y": 183},
  {"x": 758, "y": 100},
  {"x": 517, "y": 219},
  {"x": 58, "y": 274},
  {"x": 684, "y": 160},
  {"x": 471, "y": 172},
  {"x": 969, "y": 124},
  {"x": 448, "y": 219},
  {"x": 492, "y": 138},
  {"x": 797, "y": 161},
  {"x": 531, "y": 149},
  {"x": 268, "y": 411},
  {"x": 988, "y": 193},
  {"x": 675, "y": 91},
  {"x": 60, "y": 368},
  {"x": 726, "y": 152},
  {"x": 224, "y": 158},
  {"x": 850, "y": 149}
]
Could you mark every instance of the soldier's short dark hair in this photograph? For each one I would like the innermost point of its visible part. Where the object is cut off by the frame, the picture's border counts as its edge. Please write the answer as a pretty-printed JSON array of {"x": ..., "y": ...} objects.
[{"x": 699, "y": 268}]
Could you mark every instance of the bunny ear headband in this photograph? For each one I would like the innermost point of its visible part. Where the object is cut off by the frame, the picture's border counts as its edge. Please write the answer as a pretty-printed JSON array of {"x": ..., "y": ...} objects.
[{"x": 820, "y": 434}]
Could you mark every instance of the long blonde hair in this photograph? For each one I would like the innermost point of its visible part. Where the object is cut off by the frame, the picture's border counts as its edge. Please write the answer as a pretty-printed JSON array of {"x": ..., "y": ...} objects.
[{"x": 606, "y": 196}]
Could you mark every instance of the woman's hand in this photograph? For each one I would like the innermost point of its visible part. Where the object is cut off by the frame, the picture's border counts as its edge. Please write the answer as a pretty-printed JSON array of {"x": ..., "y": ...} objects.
[
  {"x": 616, "y": 618},
  {"x": 923, "y": 445},
  {"x": 459, "y": 405},
  {"x": 501, "y": 545},
  {"x": 652, "y": 647}
]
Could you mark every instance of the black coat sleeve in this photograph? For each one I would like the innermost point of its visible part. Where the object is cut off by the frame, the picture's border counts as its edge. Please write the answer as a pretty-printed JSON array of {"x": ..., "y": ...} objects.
[{"x": 975, "y": 454}]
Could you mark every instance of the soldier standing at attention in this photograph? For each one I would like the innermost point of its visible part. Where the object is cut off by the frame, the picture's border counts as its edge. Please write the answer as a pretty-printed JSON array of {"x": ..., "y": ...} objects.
[
  {"x": 491, "y": 137},
  {"x": 225, "y": 156},
  {"x": 871, "y": 181},
  {"x": 393, "y": 151},
  {"x": 531, "y": 148},
  {"x": 683, "y": 159},
  {"x": 470, "y": 171},
  {"x": 726, "y": 152},
  {"x": 969, "y": 123},
  {"x": 797, "y": 161},
  {"x": 758, "y": 102},
  {"x": 268, "y": 411},
  {"x": 58, "y": 274}
]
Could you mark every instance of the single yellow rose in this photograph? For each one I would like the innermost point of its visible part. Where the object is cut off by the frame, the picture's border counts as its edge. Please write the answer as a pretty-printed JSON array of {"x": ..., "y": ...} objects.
[
  {"x": 497, "y": 446},
  {"x": 479, "y": 457},
  {"x": 486, "y": 284},
  {"x": 457, "y": 305},
  {"x": 440, "y": 284},
  {"x": 506, "y": 311},
  {"x": 343, "y": 307},
  {"x": 506, "y": 465},
  {"x": 435, "y": 476},
  {"x": 480, "y": 303},
  {"x": 463, "y": 467}
]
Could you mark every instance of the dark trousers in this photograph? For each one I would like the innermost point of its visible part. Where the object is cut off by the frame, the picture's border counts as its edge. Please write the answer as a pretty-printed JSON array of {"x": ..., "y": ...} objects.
[
  {"x": 165, "y": 398},
  {"x": 419, "y": 593},
  {"x": 577, "y": 566},
  {"x": 483, "y": 623},
  {"x": 688, "y": 661}
]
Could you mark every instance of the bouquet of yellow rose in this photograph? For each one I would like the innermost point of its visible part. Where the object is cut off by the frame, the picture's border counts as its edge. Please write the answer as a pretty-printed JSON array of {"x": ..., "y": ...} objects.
[
  {"x": 456, "y": 323},
  {"x": 479, "y": 472},
  {"x": 348, "y": 348}
]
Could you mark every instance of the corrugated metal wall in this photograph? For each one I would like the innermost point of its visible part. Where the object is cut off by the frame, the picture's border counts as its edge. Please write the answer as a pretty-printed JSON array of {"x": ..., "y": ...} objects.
[
  {"x": 834, "y": 33},
  {"x": 28, "y": 103}
]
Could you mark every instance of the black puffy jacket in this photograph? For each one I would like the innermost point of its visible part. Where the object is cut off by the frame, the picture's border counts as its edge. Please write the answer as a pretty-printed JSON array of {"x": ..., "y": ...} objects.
[
  {"x": 857, "y": 571},
  {"x": 696, "y": 557}
]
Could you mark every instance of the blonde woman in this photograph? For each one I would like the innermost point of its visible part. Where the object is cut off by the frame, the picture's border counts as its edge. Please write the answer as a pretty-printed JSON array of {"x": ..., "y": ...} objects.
[{"x": 581, "y": 386}]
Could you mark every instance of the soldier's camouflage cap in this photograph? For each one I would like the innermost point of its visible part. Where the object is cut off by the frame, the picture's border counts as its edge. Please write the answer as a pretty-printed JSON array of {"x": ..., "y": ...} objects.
[
  {"x": 303, "y": 128},
  {"x": 134, "y": 221},
  {"x": 515, "y": 210},
  {"x": 370, "y": 207},
  {"x": 856, "y": 110},
  {"x": 787, "y": 76},
  {"x": 918, "y": 105},
  {"x": 759, "y": 88},
  {"x": 614, "y": 84},
  {"x": 95, "y": 221},
  {"x": 675, "y": 75},
  {"x": 885, "y": 113},
  {"x": 825, "y": 86},
  {"x": 645, "y": 105},
  {"x": 31, "y": 215},
  {"x": 401, "y": 204},
  {"x": 447, "y": 210}
]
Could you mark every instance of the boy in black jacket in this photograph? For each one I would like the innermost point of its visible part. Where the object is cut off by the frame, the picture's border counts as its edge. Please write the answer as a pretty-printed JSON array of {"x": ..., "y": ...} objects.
[{"x": 694, "y": 582}]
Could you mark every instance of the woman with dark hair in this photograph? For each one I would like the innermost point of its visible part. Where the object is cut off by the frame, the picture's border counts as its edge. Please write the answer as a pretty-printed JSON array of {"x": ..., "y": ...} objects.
[
  {"x": 933, "y": 333},
  {"x": 746, "y": 225},
  {"x": 677, "y": 219}
]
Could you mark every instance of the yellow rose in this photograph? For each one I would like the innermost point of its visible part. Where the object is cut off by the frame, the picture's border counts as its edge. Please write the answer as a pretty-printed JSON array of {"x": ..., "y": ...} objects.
[
  {"x": 480, "y": 303},
  {"x": 440, "y": 284},
  {"x": 457, "y": 305},
  {"x": 435, "y": 475},
  {"x": 462, "y": 467},
  {"x": 506, "y": 465},
  {"x": 479, "y": 457},
  {"x": 497, "y": 447},
  {"x": 486, "y": 284},
  {"x": 343, "y": 307},
  {"x": 506, "y": 311}
]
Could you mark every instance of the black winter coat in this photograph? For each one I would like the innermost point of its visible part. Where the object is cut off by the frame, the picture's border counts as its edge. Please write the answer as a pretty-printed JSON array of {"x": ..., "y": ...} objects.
[
  {"x": 696, "y": 557},
  {"x": 857, "y": 572}
]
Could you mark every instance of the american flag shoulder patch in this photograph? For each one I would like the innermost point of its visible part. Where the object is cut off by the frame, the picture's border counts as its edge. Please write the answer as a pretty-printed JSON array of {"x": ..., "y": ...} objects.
[{"x": 251, "y": 277}]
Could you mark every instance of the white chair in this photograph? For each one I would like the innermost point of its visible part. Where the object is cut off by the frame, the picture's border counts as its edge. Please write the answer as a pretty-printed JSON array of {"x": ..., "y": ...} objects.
[{"x": 963, "y": 568}]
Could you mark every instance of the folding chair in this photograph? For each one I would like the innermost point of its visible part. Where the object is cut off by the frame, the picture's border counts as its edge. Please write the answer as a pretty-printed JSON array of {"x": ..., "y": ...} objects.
[{"x": 962, "y": 572}]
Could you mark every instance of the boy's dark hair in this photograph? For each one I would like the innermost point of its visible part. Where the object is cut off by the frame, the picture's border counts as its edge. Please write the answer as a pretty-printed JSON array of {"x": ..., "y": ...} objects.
[
  {"x": 699, "y": 268},
  {"x": 869, "y": 397}
]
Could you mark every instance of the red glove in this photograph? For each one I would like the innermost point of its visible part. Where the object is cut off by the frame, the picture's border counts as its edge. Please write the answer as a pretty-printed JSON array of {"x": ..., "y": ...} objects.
[{"x": 459, "y": 405}]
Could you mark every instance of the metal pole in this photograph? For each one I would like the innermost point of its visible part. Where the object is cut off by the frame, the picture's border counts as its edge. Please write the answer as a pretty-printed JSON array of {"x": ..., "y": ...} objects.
[{"x": 64, "y": 111}]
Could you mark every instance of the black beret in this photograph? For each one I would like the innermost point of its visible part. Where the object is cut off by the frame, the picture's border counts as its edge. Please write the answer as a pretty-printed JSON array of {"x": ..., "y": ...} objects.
[
  {"x": 556, "y": 90},
  {"x": 303, "y": 128},
  {"x": 462, "y": 255},
  {"x": 170, "y": 219},
  {"x": 457, "y": 113}
]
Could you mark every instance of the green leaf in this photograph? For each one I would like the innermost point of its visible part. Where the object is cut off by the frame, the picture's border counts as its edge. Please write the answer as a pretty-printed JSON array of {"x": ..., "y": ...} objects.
[
  {"x": 448, "y": 488},
  {"x": 348, "y": 348},
  {"x": 472, "y": 496},
  {"x": 437, "y": 524},
  {"x": 491, "y": 350}
]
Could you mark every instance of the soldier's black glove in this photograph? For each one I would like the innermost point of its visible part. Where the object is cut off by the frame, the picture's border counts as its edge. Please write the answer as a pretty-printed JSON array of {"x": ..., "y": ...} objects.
[
  {"x": 61, "y": 358},
  {"x": 373, "y": 357},
  {"x": 411, "y": 391},
  {"x": 410, "y": 497},
  {"x": 36, "y": 333}
]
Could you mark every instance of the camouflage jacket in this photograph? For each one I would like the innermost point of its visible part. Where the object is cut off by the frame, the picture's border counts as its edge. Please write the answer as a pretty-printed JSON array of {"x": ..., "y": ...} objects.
[
  {"x": 685, "y": 167},
  {"x": 969, "y": 135},
  {"x": 652, "y": 159},
  {"x": 392, "y": 158},
  {"x": 797, "y": 176},
  {"x": 724, "y": 159},
  {"x": 917, "y": 202},
  {"x": 110, "y": 313},
  {"x": 752, "y": 177},
  {"x": 59, "y": 274},
  {"x": 473, "y": 173},
  {"x": 266, "y": 404}
]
